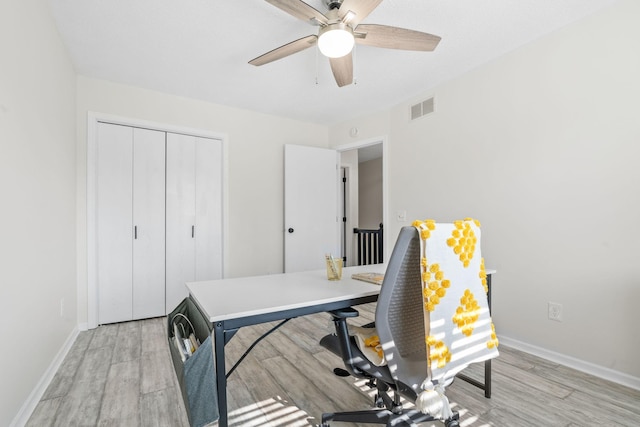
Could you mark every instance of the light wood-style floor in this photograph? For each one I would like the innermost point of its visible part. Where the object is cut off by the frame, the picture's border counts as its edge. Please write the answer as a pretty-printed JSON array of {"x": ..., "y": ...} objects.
[{"x": 121, "y": 375}]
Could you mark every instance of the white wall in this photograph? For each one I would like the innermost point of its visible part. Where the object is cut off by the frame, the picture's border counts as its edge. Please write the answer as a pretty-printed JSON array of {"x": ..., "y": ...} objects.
[
  {"x": 542, "y": 146},
  {"x": 370, "y": 194},
  {"x": 255, "y": 167},
  {"x": 37, "y": 186}
]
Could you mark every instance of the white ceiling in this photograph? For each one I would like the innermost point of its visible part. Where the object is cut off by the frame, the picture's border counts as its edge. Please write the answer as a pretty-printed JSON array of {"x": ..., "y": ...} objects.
[{"x": 200, "y": 49}]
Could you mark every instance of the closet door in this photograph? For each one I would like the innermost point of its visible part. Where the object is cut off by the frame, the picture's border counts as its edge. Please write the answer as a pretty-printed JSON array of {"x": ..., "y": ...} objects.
[
  {"x": 194, "y": 213},
  {"x": 181, "y": 210},
  {"x": 208, "y": 226},
  {"x": 149, "y": 223},
  {"x": 114, "y": 222}
]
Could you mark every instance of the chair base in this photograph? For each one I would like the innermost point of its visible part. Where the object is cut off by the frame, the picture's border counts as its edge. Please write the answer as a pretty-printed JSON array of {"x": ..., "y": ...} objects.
[{"x": 386, "y": 417}]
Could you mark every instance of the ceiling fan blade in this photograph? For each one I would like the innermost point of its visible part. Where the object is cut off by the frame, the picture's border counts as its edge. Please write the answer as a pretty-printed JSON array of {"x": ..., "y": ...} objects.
[
  {"x": 395, "y": 38},
  {"x": 285, "y": 50},
  {"x": 342, "y": 69},
  {"x": 299, "y": 9},
  {"x": 360, "y": 8}
]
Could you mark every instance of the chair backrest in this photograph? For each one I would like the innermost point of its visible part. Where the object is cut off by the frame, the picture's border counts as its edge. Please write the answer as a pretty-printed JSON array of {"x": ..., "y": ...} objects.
[{"x": 400, "y": 315}]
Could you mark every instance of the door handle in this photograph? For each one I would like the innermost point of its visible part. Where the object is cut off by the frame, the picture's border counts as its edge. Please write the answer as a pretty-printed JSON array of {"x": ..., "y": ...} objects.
[
  {"x": 290, "y": 230},
  {"x": 135, "y": 231},
  {"x": 193, "y": 231}
]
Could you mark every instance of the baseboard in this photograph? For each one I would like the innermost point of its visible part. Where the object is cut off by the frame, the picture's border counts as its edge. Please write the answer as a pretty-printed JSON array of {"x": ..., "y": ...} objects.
[
  {"x": 572, "y": 362},
  {"x": 32, "y": 401}
]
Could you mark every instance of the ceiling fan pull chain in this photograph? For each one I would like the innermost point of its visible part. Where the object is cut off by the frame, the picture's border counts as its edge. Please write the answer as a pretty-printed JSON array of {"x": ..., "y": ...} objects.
[
  {"x": 355, "y": 65},
  {"x": 316, "y": 66}
]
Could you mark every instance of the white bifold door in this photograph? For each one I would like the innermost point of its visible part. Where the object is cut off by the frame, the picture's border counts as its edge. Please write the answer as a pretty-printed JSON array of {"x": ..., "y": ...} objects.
[
  {"x": 194, "y": 213},
  {"x": 130, "y": 223},
  {"x": 158, "y": 219}
]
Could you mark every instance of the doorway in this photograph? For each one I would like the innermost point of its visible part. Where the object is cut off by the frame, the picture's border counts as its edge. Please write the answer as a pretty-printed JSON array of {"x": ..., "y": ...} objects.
[{"x": 363, "y": 192}]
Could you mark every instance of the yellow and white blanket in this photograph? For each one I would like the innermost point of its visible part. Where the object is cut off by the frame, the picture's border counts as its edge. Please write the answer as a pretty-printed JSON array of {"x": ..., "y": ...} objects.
[{"x": 458, "y": 325}]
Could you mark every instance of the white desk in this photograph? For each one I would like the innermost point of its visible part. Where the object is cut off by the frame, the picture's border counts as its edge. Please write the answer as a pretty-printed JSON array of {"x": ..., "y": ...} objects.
[{"x": 230, "y": 304}]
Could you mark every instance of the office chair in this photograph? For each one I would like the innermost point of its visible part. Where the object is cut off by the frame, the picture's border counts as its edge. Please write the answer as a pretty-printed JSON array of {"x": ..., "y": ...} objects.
[{"x": 400, "y": 326}]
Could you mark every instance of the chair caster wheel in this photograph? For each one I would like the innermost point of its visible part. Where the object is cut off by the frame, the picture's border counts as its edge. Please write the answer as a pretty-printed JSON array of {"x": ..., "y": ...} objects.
[
  {"x": 341, "y": 373},
  {"x": 453, "y": 421}
]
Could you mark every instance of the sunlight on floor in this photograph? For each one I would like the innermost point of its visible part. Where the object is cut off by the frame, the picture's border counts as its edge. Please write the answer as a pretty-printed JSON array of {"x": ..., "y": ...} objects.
[
  {"x": 278, "y": 412},
  {"x": 466, "y": 419},
  {"x": 270, "y": 412}
]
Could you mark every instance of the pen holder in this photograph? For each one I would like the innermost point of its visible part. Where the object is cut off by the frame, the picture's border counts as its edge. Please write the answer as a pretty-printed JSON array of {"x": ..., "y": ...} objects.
[{"x": 334, "y": 268}]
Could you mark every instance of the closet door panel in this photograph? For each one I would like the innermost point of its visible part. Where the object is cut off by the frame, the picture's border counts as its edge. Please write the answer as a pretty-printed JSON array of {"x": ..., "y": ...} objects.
[
  {"x": 208, "y": 230},
  {"x": 149, "y": 223},
  {"x": 180, "y": 264},
  {"x": 114, "y": 207}
]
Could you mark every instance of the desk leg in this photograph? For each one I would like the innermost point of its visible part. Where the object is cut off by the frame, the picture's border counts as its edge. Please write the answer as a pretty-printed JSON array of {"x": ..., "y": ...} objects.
[
  {"x": 487, "y": 378},
  {"x": 487, "y": 364},
  {"x": 221, "y": 377}
]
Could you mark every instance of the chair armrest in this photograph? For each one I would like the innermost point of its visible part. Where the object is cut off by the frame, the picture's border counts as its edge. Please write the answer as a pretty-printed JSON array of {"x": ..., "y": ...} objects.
[{"x": 344, "y": 340}]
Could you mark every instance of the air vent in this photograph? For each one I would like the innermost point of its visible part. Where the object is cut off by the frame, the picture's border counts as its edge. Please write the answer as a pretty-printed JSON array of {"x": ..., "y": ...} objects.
[{"x": 422, "y": 109}]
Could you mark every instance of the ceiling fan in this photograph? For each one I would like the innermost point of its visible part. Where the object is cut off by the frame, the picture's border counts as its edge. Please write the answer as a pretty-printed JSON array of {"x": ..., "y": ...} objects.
[{"x": 340, "y": 28}]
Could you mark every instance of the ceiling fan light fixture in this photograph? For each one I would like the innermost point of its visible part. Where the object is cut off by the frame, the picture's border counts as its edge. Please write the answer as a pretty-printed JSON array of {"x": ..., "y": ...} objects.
[{"x": 336, "y": 40}]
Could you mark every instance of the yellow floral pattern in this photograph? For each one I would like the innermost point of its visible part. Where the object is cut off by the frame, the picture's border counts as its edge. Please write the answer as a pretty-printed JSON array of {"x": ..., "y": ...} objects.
[
  {"x": 493, "y": 342},
  {"x": 434, "y": 285},
  {"x": 438, "y": 352},
  {"x": 374, "y": 342},
  {"x": 426, "y": 227},
  {"x": 483, "y": 276},
  {"x": 463, "y": 240},
  {"x": 467, "y": 313}
]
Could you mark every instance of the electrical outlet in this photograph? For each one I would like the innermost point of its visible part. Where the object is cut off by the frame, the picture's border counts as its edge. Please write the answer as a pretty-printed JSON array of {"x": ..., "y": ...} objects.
[{"x": 555, "y": 311}]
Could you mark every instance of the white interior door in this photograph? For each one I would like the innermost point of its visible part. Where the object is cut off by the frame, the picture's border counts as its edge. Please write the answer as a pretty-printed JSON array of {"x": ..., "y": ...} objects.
[
  {"x": 148, "y": 221},
  {"x": 114, "y": 206},
  {"x": 181, "y": 212},
  {"x": 208, "y": 229},
  {"x": 111, "y": 206},
  {"x": 310, "y": 207}
]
